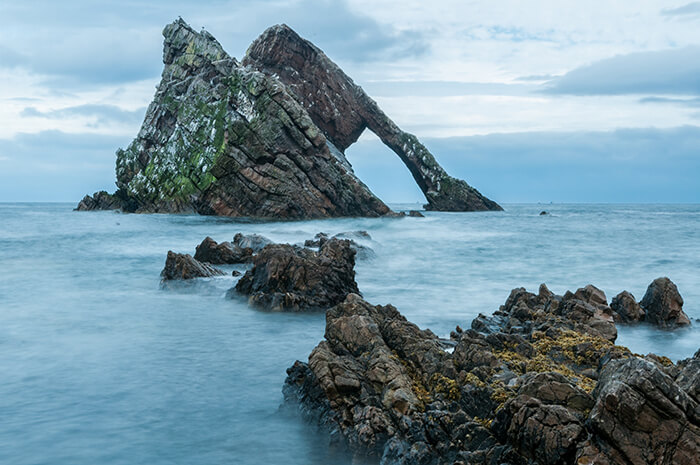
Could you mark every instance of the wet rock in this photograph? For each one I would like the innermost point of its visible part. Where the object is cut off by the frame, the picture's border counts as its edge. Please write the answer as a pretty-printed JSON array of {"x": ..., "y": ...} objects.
[
  {"x": 415, "y": 214},
  {"x": 99, "y": 201},
  {"x": 235, "y": 273},
  {"x": 210, "y": 251},
  {"x": 183, "y": 266},
  {"x": 522, "y": 391},
  {"x": 342, "y": 111},
  {"x": 543, "y": 213},
  {"x": 642, "y": 416},
  {"x": 255, "y": 242},
  {"x": 291, "y": 278},
  {"x": 663, "y": 304},
  {"x": 363, "y": 252},
  {"x": 626, "y": 308}
]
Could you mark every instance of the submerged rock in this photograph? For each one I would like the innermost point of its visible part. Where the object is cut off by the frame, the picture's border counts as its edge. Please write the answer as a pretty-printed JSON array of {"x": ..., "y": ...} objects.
[
  {"x": 626, "y": 308},
  {"x": 291, "y": 278},
  {"x": 519, "y": 388},
  {"x": 210, "y": 251},
  {"x": 184, "y": 266},
  {"x": 363, "y": 252},
  {"x": 663, "y": 304},
  {"x": 221, "y": 138},
  {"x": 254, "y": 242}
]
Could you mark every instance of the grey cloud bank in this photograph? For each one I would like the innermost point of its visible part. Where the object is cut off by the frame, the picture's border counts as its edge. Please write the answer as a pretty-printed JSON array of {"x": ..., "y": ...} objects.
[{"x": 658, "y": 72}]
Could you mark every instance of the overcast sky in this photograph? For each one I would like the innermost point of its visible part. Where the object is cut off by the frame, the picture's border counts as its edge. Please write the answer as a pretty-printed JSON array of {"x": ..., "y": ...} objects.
[{"x": 529, "y": 101}]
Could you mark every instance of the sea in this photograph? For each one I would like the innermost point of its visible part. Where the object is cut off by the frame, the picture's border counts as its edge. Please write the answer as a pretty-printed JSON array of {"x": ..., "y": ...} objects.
[{"x": 101, "y": 365}]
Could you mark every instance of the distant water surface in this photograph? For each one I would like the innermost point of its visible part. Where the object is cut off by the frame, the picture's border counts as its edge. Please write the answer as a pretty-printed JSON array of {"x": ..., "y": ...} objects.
[{"x": 99, "y": 365}]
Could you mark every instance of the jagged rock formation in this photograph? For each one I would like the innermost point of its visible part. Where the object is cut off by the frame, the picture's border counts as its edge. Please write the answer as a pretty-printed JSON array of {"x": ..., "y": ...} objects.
[
  {"x": 292, "y": 278},
  {"x": 663, "y": 304},
  {"x": 220, "y": 138},
  {"x": 255, "y": 242},
  {"x": 539, "y": 382},
  {"x": 183, "y": 266},
  {"x": 210, "y": 251},
  {"x": 362, "y": 252},
  {"x": 342, "y": 110}
]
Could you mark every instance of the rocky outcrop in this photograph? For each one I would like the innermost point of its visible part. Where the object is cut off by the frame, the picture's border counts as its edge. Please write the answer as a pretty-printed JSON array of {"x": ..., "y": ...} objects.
[
  {"x": 626, "y": 308},
  {"x": 254, "y": 242},
  {"x": 291, "y": 278},
  {"x": 100, "y": 201},
  {"x": 642, "y": 415},
  {"x": 342, "y": 110},
  {"x": 223, "y": 139},
  {"x": 182, "y": 266},
  {"x": 220, "y": 138},
  {"x": 210, "y": 251},
  {"x": 663, "y": 304},
  {"x": 539, "y": 382},
  {"x": 362, "y": 252}
]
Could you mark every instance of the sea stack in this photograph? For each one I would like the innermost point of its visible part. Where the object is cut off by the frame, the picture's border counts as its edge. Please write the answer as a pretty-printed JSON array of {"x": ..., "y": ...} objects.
[{"x": 245, "y": 140}]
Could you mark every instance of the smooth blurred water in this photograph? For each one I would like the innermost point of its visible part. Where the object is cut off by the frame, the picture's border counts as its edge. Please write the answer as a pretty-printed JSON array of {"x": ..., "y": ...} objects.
[{"x": 99, "y": 365}]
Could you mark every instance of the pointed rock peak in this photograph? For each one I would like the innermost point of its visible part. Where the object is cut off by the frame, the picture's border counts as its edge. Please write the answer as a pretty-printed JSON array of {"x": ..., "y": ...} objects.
[
  {"x": 277, "y": 40},
  {"x": 184, "y": 45}
]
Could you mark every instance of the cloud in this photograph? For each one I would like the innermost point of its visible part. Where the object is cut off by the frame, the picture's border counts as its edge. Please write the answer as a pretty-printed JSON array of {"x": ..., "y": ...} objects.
[
  {"x": 537, "y": 78},
  {"x": 343, "y": 33},
  {"x": 685, "y": 102},
  {"x": 626, "y": 165},
  {"x": 88, "y": 44},
  {"x": 690, "y": 9},
  {"x": 442, "y": 88},
  {"x": 103, "y": 114},
  {"x": 675, "y": 71}
]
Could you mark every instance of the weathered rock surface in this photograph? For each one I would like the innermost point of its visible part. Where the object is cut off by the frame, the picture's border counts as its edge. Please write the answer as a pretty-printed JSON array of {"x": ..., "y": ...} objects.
[
  {"x": 220, "y": 138},
  {"x": 291, "y": 278},
  {"x": 210, "y": 251},
  {"x": 183, "y": 266},
  {"x": 663, "y": 304},
  {"x": 643, "y": 416},
  {"x": 342, "y": 110},
  {"x": 100, "y": 201},
  {"x": 255, "y": 242},
  {"x": 362, "y": 252},
  {"x": 626, "y": 308},
  {"x": 223, "y": 139},
  {"x": 521, "y": 387}
]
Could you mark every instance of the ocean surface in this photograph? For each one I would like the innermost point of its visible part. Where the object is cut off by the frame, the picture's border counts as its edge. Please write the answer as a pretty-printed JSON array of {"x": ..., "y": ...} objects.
[{"x": 100, "y": 365}]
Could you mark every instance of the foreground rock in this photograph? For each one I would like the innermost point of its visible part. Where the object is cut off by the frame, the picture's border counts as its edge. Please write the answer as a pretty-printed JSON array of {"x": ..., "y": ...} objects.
[
  {"x": 220, "y": 138},
  {"x": 183, "y": 266},
  {"x": 539, "y": 382},
  {"x": 292, "y": 278},
  {"x": 663, "y": 304}
]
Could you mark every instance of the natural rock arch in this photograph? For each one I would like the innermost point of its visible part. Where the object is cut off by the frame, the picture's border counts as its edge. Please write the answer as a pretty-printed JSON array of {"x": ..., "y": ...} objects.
[
  {"x": 343, "y": 111},
  {"x": 246, "y": 140}
]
